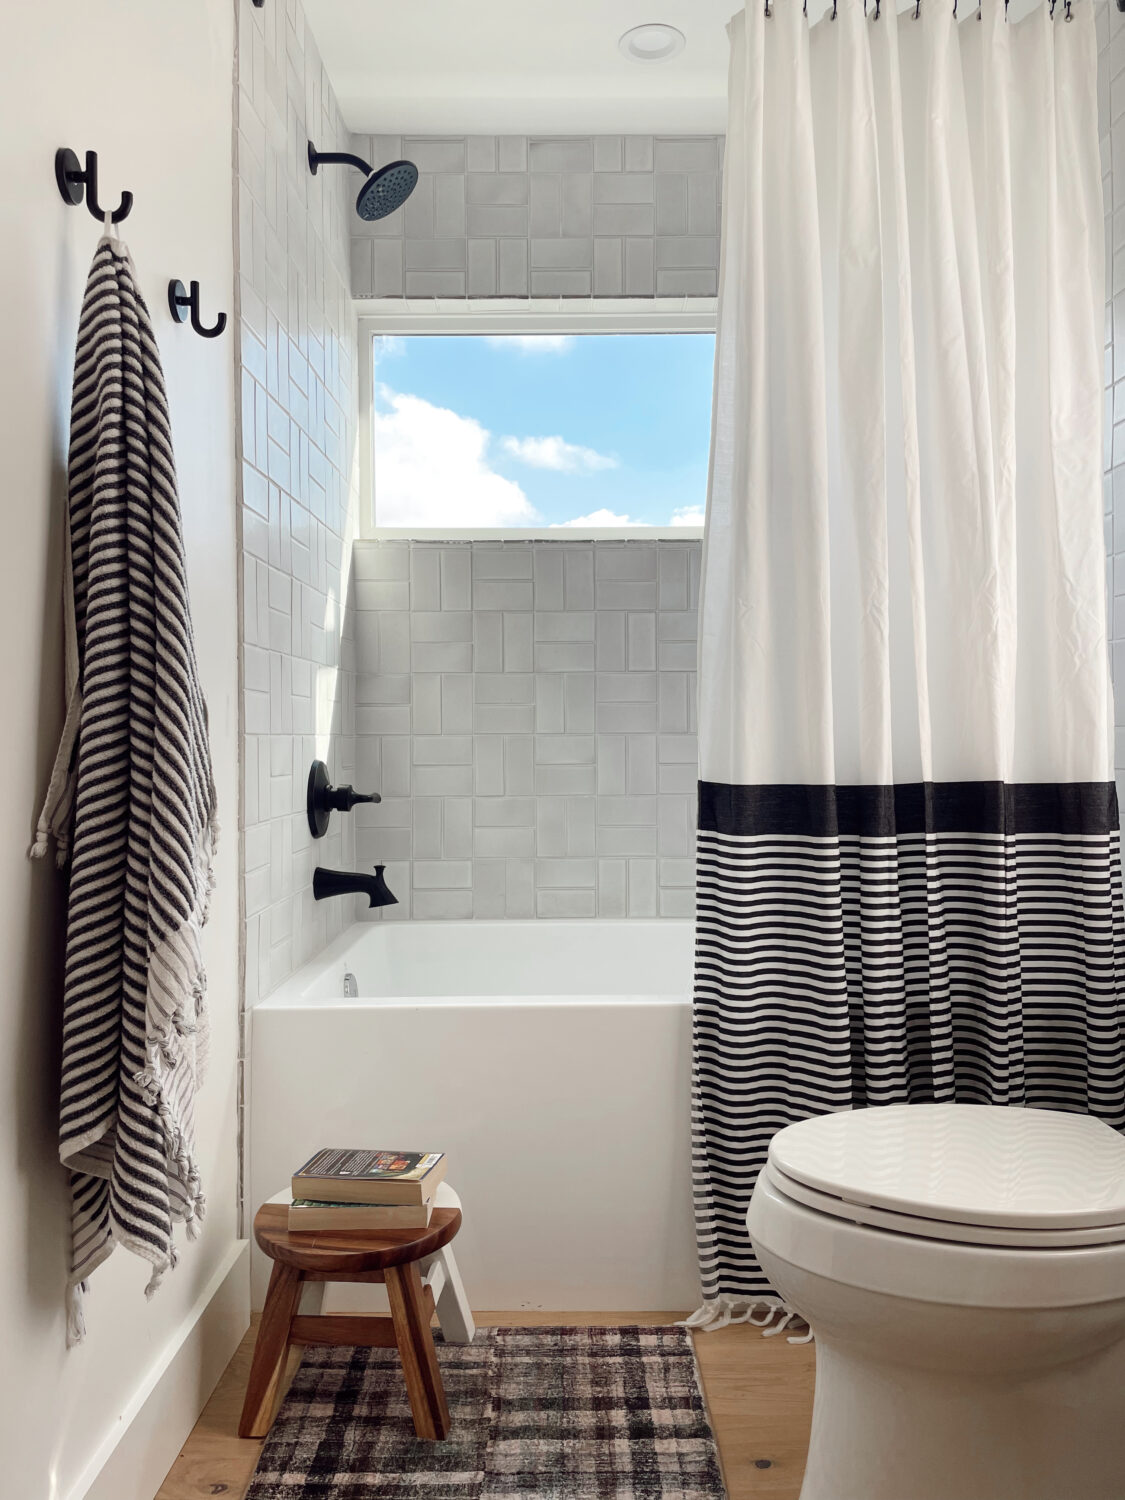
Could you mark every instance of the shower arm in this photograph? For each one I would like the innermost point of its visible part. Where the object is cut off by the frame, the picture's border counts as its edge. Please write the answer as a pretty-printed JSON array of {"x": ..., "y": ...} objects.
[{"x": 336, "y": 158}]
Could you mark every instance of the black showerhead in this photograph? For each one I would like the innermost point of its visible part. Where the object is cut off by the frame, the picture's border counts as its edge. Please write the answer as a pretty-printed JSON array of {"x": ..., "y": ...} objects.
[{"x": 384, "y": 190}]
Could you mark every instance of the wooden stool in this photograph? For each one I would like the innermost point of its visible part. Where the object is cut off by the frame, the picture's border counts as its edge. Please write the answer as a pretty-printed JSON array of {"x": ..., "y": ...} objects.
[{"x": 391, "y": 1257}]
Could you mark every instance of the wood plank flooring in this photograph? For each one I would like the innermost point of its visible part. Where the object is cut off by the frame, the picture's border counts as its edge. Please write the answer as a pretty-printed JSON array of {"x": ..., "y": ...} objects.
[{"x": 759, "y": 1392}]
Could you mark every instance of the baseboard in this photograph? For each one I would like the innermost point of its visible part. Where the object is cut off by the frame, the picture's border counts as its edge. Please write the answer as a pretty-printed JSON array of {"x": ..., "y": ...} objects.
[{"x": 132, "y": 1461}]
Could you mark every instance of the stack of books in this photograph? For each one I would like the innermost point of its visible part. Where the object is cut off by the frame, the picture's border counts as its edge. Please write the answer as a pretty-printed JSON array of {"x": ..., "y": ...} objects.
[{"x": 351, "y": 1190}]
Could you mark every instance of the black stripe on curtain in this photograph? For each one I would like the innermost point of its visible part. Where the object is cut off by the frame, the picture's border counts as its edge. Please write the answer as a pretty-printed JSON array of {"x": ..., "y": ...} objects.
[
  {"x": 858, "y": 946},
  {"x": 915, "y": 807}
]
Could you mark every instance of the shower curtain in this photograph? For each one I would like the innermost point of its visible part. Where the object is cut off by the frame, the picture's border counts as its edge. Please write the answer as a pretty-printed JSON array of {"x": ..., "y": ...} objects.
[{"x": 908, "y": 869}]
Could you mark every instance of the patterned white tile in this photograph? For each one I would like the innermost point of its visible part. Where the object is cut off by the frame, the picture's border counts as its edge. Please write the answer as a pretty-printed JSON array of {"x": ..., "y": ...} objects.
[{"x": 298, "y": 357}]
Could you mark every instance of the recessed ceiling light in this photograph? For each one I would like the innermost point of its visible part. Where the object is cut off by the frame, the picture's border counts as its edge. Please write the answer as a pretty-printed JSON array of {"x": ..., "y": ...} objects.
[{"x": 652, "y": 43}]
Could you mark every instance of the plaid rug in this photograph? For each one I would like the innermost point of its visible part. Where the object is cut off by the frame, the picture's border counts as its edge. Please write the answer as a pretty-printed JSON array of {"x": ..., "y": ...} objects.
[{"x": 569, "y": 1413}]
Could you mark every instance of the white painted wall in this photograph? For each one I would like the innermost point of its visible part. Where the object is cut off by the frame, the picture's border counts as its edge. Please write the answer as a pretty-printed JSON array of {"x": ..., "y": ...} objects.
[{"x": 149, "y": 86}]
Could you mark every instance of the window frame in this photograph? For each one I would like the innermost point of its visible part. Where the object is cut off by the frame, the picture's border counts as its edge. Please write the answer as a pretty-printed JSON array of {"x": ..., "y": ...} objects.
[{"x": 377, "y": 317}]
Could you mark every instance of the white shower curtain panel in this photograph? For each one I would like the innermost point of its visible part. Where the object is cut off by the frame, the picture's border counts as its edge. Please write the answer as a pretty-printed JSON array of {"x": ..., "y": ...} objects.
[{"x": 909, "y": 879}]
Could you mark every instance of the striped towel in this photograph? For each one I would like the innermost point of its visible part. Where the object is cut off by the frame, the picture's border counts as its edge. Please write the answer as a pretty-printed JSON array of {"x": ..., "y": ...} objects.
[{"x": 132, "y": 801}]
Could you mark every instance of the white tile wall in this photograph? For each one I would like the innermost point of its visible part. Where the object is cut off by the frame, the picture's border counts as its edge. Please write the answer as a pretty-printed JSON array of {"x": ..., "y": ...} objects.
[
  {"x": 297, "y": 348},
  {"x": 527, "y": 710},
  {"x": 518, "y": 216}
]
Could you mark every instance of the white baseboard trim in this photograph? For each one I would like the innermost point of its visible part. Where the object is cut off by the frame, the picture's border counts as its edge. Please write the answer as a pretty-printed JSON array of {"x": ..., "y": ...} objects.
[{"x": 131, "y": 1462}]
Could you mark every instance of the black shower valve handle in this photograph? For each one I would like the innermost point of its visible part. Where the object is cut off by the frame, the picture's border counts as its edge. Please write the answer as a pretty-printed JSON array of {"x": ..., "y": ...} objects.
[
  {"x": 344, "y": 798},
  {"x": 322, "y": 799}
]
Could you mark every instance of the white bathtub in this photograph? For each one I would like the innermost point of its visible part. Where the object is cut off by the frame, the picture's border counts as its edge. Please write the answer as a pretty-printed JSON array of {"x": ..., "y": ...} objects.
[{"x": 550, "y": 1060}]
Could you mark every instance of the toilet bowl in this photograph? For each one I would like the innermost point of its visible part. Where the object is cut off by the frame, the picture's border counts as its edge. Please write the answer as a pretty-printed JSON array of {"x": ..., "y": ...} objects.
[{"x": 963, "y": 1270}]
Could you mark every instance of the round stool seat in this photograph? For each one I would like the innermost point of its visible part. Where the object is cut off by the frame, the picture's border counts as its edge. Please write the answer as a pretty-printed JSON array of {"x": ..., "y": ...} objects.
[{"x": 353, "y": 1252}]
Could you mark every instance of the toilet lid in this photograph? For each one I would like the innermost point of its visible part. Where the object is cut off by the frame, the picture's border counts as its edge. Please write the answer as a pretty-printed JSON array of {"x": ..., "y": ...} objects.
[{"x": 959, "y": 1164}]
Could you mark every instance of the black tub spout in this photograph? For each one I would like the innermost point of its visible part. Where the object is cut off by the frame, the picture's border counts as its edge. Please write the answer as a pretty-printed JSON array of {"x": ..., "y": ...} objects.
[{"x": 351, "y": 883}]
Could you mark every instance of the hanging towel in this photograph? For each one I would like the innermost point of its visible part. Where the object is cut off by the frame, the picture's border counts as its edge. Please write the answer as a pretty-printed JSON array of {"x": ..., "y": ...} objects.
[{"x": 132, "y": 801}]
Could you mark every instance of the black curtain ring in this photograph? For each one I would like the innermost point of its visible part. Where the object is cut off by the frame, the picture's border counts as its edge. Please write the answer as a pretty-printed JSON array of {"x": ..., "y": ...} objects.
[
  {"x": 917, "y": 9},
  {"x": 833, "y": 9},
  {"x": 878, "y": 7},
  {"x": 1068, "y": 14}
]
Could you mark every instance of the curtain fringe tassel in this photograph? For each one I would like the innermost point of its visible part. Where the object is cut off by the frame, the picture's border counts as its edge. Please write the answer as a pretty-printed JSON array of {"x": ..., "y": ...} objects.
[{"x": 721, "y": 1312}]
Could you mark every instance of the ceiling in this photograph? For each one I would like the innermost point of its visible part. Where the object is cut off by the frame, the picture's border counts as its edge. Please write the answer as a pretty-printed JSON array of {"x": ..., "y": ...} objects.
[{"x": 491, "y": 67}]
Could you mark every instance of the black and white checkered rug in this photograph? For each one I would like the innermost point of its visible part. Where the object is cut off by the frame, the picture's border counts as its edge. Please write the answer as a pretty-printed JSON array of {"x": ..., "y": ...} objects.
[{"x": 570, "y": 1413}]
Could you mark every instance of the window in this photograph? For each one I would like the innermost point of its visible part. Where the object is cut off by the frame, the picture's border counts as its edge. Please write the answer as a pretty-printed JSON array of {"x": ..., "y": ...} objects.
[{"x": 550, "y": 431}]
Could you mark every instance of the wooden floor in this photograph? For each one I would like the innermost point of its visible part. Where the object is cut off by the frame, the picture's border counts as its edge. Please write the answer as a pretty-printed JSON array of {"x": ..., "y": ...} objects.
[{"x": 759, "y": 1393}]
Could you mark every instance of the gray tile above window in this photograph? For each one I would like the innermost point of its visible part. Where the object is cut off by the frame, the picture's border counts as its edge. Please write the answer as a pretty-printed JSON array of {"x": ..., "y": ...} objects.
[
  {"x": 543, "y": 744},
  {"x": 570, "y": 216}
]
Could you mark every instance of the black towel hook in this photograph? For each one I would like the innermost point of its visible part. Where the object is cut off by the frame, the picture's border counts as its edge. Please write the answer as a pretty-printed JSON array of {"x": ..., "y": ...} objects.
[
  {"x": 184, "y": 304},
  {"x": 74, "y": 184}
]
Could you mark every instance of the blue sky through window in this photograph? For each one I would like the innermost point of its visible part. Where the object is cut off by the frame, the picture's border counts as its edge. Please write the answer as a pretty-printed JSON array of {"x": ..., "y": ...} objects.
[{"x": 542, "y": 429}]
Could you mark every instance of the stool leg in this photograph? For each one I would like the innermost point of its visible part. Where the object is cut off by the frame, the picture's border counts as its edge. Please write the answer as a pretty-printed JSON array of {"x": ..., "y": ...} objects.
[
  {"x": 416, "y": 1350},
  {"x": 453, "y": 1311},
  {"x": 270, "y": 1351}
]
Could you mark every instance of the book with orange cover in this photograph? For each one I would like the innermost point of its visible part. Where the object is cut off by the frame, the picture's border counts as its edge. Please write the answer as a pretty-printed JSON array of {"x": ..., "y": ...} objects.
[{"x": 338, "y": 1175}]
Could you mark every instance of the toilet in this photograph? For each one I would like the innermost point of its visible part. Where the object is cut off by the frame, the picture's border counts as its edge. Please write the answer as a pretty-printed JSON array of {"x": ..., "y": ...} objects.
[{"x": 963, "y": 1270}]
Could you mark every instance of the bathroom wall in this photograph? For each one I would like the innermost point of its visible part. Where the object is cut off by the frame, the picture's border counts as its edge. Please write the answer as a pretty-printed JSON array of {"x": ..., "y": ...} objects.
[
  {"x": 545, "y": 216},
  {"x": 527, "y": 710},
  {"x": 150, "y": 91},
  {"x": 297, "y": 428},
  {"x": 1111, "y": 101}
]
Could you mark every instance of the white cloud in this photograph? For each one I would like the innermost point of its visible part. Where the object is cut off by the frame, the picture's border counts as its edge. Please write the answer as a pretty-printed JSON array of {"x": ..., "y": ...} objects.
[
  {"x": 387, "y": 345},
  {"x": 599, "y": 518},
  {"x": 432, "y": 469},
  {"x": 534, "y": 343},
  {"x": 688, "y": 515},
  {"x": 556, "y": 453}
]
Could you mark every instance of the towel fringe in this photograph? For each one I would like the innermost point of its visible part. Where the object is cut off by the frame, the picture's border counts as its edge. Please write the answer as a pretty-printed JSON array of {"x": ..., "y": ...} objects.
[{"x": 75, "y": 1315}]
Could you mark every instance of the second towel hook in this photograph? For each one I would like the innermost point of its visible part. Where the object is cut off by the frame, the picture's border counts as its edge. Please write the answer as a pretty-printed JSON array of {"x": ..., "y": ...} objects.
[{"x": 183, "y": 304}]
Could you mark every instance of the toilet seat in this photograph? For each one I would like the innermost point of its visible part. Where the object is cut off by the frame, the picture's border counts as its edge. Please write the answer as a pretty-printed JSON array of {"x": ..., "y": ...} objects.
[
  {"x": 941, "y": 1229},
  {"x": 968, "y": 1174}
]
